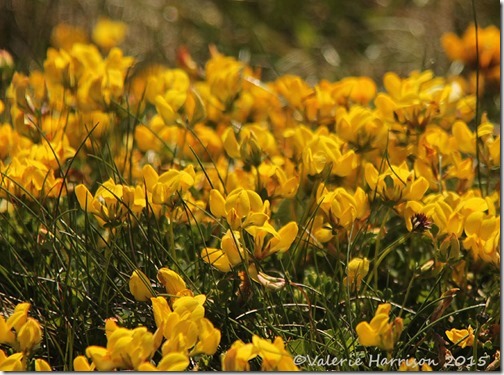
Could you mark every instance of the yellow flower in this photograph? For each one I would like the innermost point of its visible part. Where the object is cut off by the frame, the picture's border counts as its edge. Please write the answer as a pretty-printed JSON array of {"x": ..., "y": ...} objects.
[
  {"x": 165, "y": 187},
  {"x": 380, "y": 332},
  {"x": 409, "y": 364},
  {"x": 461, "y": 337},
  {"x": 172, "y": 281},
  {"x": 274, "y": 355},
  {"x": 7, "y": 336},
  {"x": 241, "y": 207},
  {"x": 293, "y": 89},
  {"x": 80, "y": 363},
  {"x": 108, "y": 33},
  {"x": 224, "y": 76},
  {"x": 41, "y": 365},
  {"x": 342, "y": 208},
  {"x": 209, "y": 338},
  {"x": 29, "y": 335},
  {"x": 238, "y": 356},
  {"x": 358, "y": 90},
  {"x": 28, "y": 332},
  {"x": 357, "y": 269},
  {"x": 29, "y": 177},
  {"x": 396, "y": 184},
  {"x": 138, "y": 285},
  {"x": 168, "y": 105},
  {"x": 171, "y": 362},
  {"x": 126, "y": 349},
  {"x": 229, "y": 255},
  {"x": 14, "y": 362},
  {"x": 466, "y": 139},
  {"x": 277, "y": 182},
  {"x": 483, "y": 236},
  {"x": 464, "y": 49},
  {"x": 106, "y": 205},
  {"x": 360, "y": 127},
  {"x": 329, "y": 150},
  {"x": 280, "y": 242}
]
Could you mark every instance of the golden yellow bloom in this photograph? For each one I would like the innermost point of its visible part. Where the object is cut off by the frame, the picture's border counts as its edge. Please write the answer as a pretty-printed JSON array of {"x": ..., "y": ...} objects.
[
  {"x": 380, "y": 332},
  {"x": 80, "y": 363},
  {"x": 358, "y": 90},
  {"x": 19, "y": 317},
  {"x": 483, "y": 236},
  {"x": 397, "y": 184},
  {"x": 409, "y": 364},
  {"x": 41, "y": 365},
  {"x": 238, "y": 356},
  {"x": 26, "y": 176},
  {"x": 139, "y": 286},
  {"x": 229, "y": 255},
  {"x": 165, "y": 187},
  {"x": 171, "y": 362},
  {"x": 29, "y": 335},
  {"x": 277, "y": 182},
  {"x": 464, "y": 49},
  {"x": 108, "y": 33},
  {"x": 209, "y": 338},
  {"x": 14, "y": 362},
  {"x": 293, "y": 89},
  {"x": 329, "y": 150},
  {"x": 280, "y": 242},
  {"x": 126, "y": 349},
  {"x": 274, "y": 355},
  {"x": 106, "y": 205},
  {"x": 241, "y": 207},
  {"x": 461, "y": 337},
  {"x": 7, "y": 336},
  {"x": 361, "y": 127},
  {"x": 357, "y": 269},
  {"x": 172, "y": 281},
  {"x": 341, "y": 208},
  {"x": 224, "y": 76}
]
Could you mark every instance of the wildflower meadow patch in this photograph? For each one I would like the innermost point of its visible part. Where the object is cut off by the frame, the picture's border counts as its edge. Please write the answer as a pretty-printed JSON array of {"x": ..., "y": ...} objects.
[{"x": 201, "y": 217}]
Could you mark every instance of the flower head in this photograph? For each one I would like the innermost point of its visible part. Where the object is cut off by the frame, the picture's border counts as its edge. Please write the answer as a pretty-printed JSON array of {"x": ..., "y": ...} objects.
[
  {"x": 380, "y": 332},
  {"x": 461, "y": 337}
]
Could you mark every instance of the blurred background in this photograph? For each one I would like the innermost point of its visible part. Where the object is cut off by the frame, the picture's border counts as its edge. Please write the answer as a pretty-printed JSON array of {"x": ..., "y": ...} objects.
[{"x": 312, "y": 38}]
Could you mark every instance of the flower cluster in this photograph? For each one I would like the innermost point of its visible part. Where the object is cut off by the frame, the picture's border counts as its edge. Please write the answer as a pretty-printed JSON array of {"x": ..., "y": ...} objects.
[
  {"x": 486, "y": 56},
  {"x": 182, "y": 331},
  {"x": 263, "y": 170},
  {"x": 379, "y": 331},
  {"x": 23, "y": 334},
  {"x": 274, "y": 355}
]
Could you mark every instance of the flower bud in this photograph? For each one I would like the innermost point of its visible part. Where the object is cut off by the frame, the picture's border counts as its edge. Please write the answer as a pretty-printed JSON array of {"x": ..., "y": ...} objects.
[
  {"x": 270, "y": 282},
  {"x": 29, "y": 335},
  {"x": 138, "y": 285},
  {"x": 250, "y": 151},
  {"x": 171, "y": 281},
  {"x": 41, "y": 365}
]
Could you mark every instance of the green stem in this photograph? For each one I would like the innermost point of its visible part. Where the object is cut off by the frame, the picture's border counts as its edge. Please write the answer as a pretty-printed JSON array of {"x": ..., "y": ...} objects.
[
  {"x": 108, "y": 257},
  {"x": 386, "y": 252},
  {"x": 172, "y": 237},
  {"x": 407, "y": 294}
]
